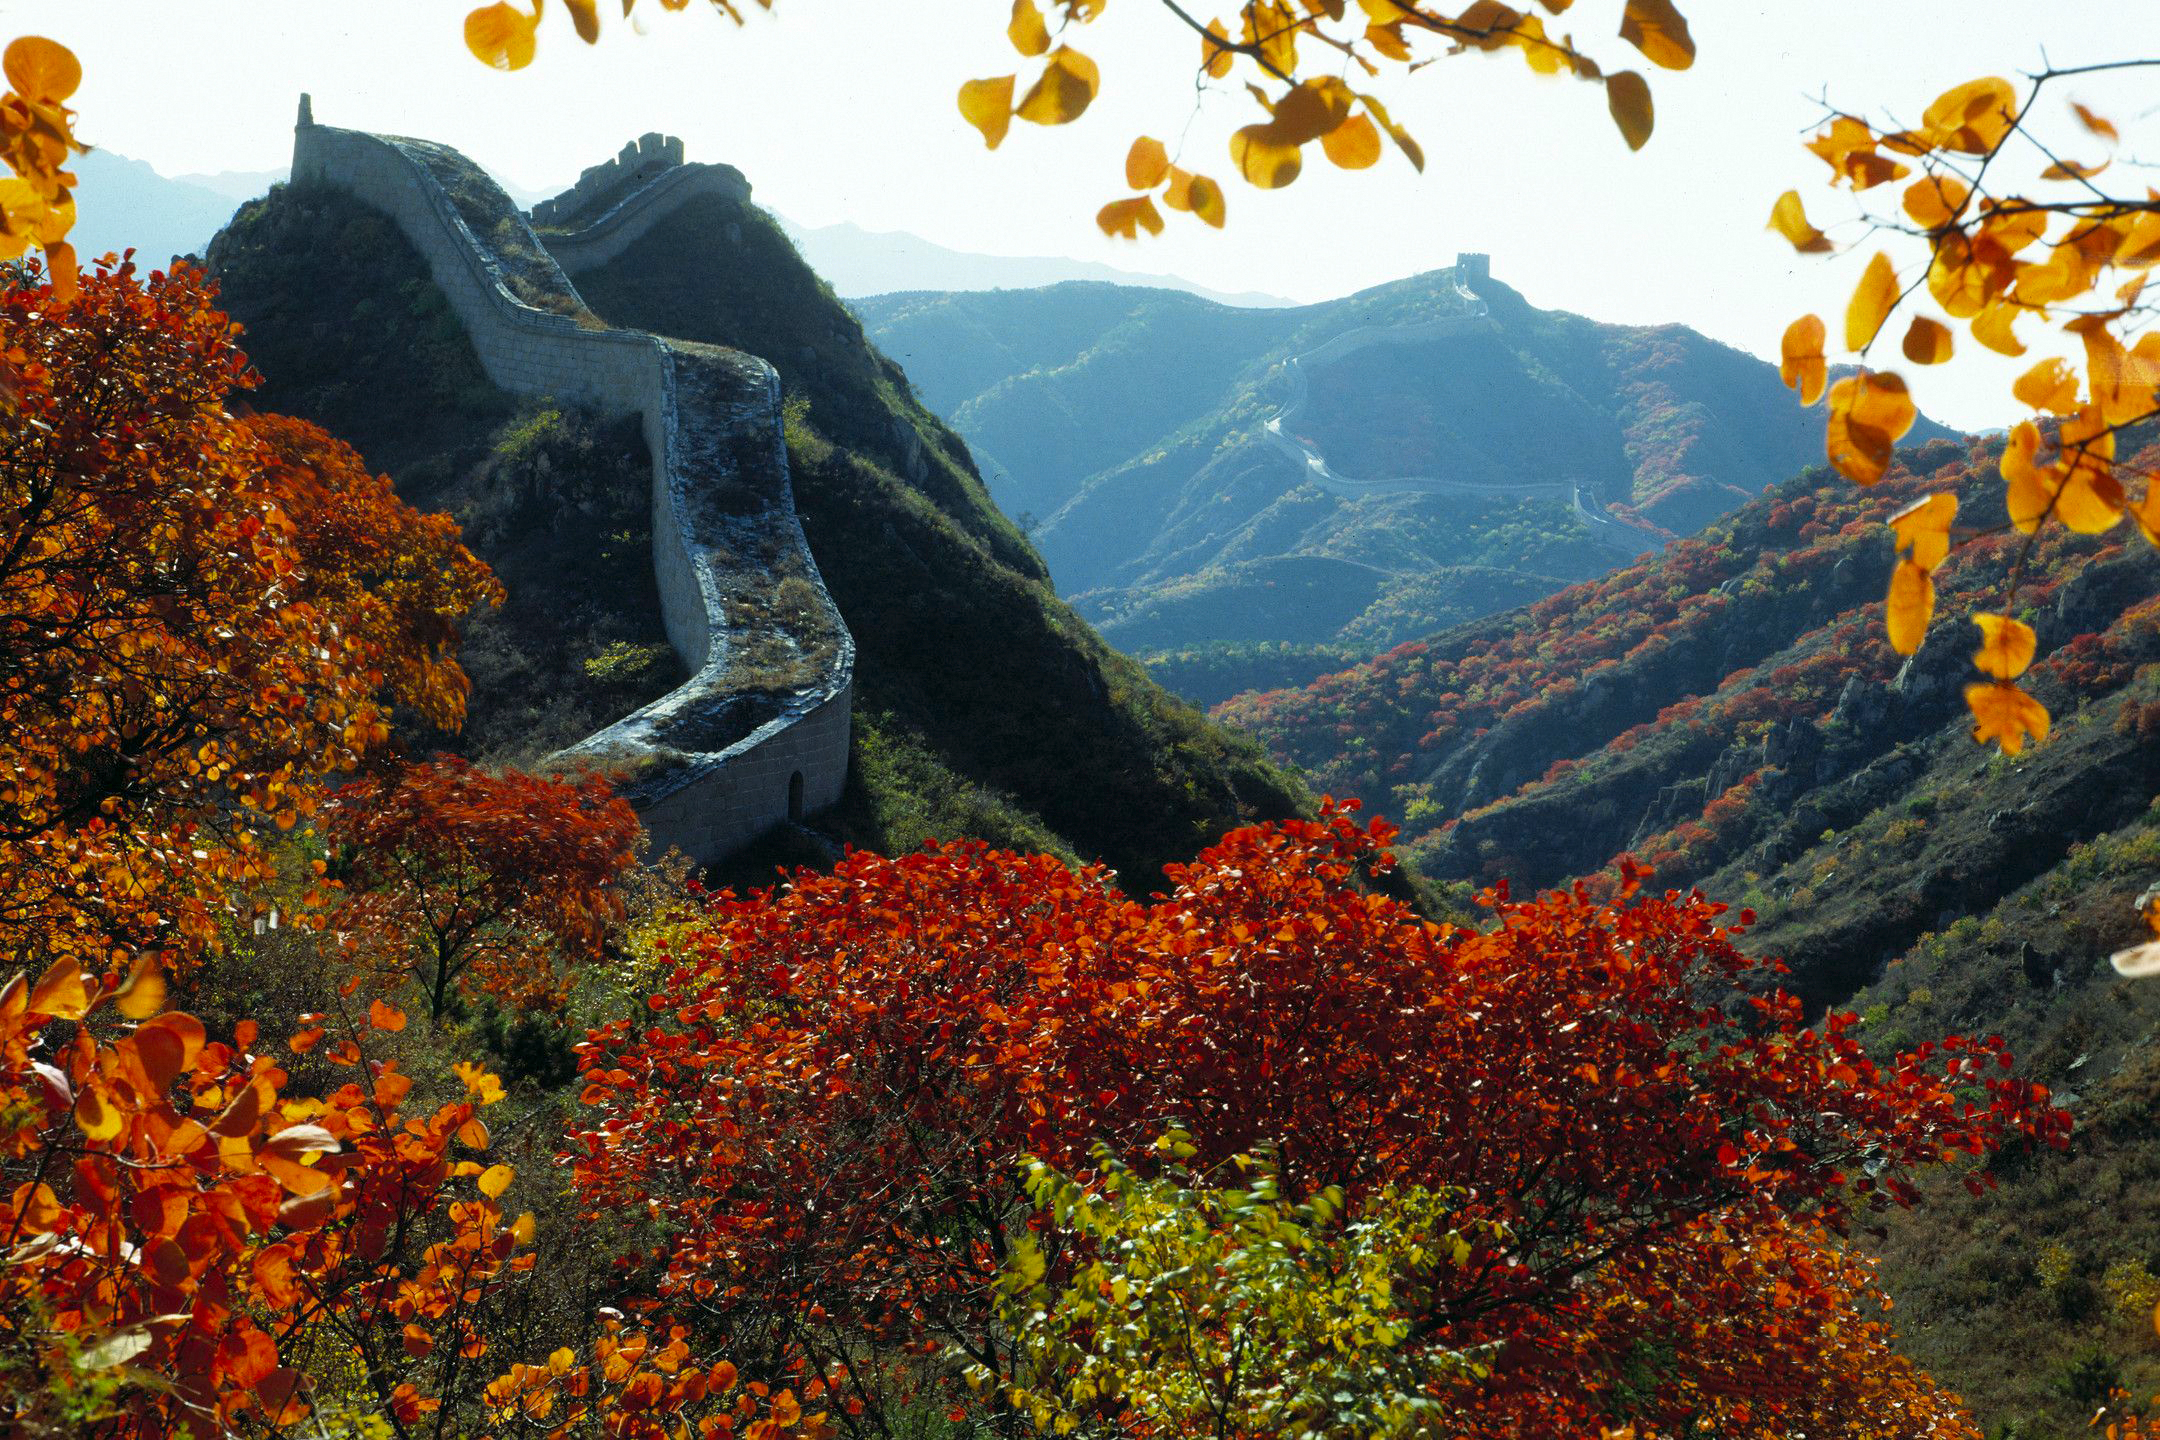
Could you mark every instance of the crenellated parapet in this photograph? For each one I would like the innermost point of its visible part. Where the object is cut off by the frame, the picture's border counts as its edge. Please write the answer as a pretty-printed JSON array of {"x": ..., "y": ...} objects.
[
  {"x": 638, "y": 163},
  {"x": 726, "y": 756}
]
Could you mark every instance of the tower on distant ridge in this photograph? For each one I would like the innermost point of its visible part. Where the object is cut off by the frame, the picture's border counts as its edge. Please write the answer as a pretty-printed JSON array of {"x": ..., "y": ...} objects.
[
  {"x": 307, "y": 112},
  {"x": 1473, "y": 269}
]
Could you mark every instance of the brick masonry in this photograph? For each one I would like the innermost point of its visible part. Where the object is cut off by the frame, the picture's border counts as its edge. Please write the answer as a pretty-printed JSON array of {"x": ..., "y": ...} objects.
[{"x": 705, "y": 801}]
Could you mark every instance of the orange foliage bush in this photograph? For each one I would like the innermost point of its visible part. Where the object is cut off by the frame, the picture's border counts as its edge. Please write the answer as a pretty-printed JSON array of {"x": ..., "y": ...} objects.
[{"x": 825, "y": 1103}]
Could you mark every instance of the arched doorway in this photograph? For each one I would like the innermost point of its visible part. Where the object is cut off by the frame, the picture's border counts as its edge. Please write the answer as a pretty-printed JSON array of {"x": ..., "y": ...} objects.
[{"x": 794, "y": 796}]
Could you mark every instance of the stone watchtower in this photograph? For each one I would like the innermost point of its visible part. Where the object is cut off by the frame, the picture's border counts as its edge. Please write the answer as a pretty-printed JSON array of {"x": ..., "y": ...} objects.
[{"x": 1473, "y": 270}]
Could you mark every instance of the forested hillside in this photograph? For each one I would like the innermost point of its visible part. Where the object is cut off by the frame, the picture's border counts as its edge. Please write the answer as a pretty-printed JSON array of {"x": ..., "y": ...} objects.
[
  {"x": 1730, "y": 713},
  {"x": 1126, "y": 427},
  {"x": 1045, "y": 739}
]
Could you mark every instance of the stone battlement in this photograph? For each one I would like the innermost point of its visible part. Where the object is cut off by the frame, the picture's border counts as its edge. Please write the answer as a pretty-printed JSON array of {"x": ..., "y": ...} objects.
[
  {"x": 637, "y": 163},
  {"x": 707, "y": 773}
]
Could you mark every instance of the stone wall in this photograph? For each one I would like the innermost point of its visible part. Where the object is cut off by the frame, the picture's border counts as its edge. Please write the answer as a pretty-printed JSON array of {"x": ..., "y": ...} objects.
[
  {"x": 639, "y": 161},
  {"x": 622, "y": 224},
  {"x": 697, "y": 786}
]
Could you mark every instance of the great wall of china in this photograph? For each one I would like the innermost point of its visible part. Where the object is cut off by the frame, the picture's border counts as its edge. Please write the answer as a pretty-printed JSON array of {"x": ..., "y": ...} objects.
[{"x": 724, "y": 757}]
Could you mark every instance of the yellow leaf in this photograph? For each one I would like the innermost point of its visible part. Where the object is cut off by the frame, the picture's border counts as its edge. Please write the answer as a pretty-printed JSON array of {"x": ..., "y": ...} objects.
[
  {"x": 501, "y": 36},
  {"x": 1660, "y": 32},
  {"x": 1310, "y": 110},
  {"x": 2030, "y": 488},
  {"x": 987, "y": 105},
  {"x": 1627, "y": 96},
  {"x": 1871, "y": 302},
  {"x": 1028, "y": 33},
  {"x": 42, "y": 71},
  {"x": 1923, "y": 528},
  {"x": 1935, "y": 200},
  {"x": 2091, "y": 499},
  {"x": 1262, "y": 159},
  {"x": 144, "y": 994},
  {"x": 2005, "y": 714},
  {"x": 1067, "y": 87},
  {"x": 1354, "y": 144},
  {"x": 2049, "y": 385},
  {"x": 1869, "y": 413},
  {"x": 2006, "y": 646},
  {"x": 60, "y": 992},
  {"x": 1972, "y": 118},
  {"x": 2072, "y": 170},
  {"x": 1992, "y": 328},
  {"x": 1197, "y": 193},
  {"x": 1409, "y": 147},
  {"x": 1927, "y": 342},
  {"x": 98, "y": 1119},
  {"x": 585, "y": 15},
  {"x": 2105, "y": 129},
  {"x": 494, "y": 1180},
  {"x": 1910, "y": 606},
  {"x": 1128, "y": 218},
  {"x": 1146, "y": 163},
  {"x": 1388, "y": 40},
  {"x": 1801, "y": 364},
  {"x": 1215, "y": 55},
  {"x": 1789, "y": 219}
]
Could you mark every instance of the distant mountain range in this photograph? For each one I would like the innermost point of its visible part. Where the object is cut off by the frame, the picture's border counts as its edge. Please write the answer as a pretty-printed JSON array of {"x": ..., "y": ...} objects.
[
  {"x": 125, "y": 202},
  {"x": 1440, "y": 449}
]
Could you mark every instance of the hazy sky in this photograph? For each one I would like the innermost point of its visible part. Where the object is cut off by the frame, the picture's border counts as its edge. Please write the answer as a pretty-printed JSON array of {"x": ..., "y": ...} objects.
[{"x": 843, "y": 110}]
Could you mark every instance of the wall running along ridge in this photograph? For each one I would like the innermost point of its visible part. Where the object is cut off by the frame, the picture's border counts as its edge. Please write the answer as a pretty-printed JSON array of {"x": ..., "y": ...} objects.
[{"x": 715, "y": 763}]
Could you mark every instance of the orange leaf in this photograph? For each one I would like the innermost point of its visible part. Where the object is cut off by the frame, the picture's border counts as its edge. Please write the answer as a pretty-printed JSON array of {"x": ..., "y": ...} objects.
[
  {"x": 385, "y": 1017},
  {"x": 1064, "y": 91},
  {"x": 1354, "y": 144},
  {"x": 1146, "y": 163},
  {"x": 1871, "y": 302},
  {"x": 2006, "y": 646},
  {"x": 1028, "y": 33},
  {"x": 1910, "y": 606},
  {"x": 42, "y": 71},
  {"x": 1972, "y": 118},
  {"x": 1627, "y": 97},
  {"x": 1789, "y": 219},
  {"x": 2105, "y": 129},
  {"x": 2048, "y": 385},
  {"x": 501, "y": 36},
  {"x": 987, "y": 105},
  {"x": 2005, "y": 714},
  {"x": 60, "y": 992},
  {"x": 1263, "y": 160},
  {"x": 1927, "y": 342},
  {"x": 1935, "y": 200},
  {"x": 1127, "y": 218},
  {"x": 1992, "y": 328},
  {"x": 1660, "y": 32},
  {"x": 1923, "y": 528},
  {"x": 1869, "y": 413},
  {"x": 1216, "y": 58},
  {"x": 1800, "y": 363}
]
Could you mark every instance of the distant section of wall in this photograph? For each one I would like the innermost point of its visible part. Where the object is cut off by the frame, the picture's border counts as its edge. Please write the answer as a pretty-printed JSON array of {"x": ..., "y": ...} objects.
[
  {"x": 709, "y": 767},
  {"x": 623, "y": 223},
  {"x": 638, "y": 162}
]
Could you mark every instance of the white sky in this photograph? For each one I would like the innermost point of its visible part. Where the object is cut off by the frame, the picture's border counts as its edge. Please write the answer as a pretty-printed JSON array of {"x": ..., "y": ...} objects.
[{"x": 843, "y": 110}]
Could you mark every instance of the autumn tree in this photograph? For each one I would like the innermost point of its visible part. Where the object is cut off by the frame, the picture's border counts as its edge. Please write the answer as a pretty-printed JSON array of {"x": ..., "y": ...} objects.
[
  {"x": 466, "y": 880},
  {"x": 201, "y": 618},
  {"x": 829, "y": 1100}
]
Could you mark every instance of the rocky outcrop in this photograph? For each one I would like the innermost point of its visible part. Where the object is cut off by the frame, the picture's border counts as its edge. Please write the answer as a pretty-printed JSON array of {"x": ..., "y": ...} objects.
[{"x": 758, "y": 735}]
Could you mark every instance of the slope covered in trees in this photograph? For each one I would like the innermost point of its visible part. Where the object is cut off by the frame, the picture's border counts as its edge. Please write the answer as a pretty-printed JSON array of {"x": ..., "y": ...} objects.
[
  {"x": 1730, "y": 713},
  {"x": 1045, "y": 738},
  {"x": 1127, "y": 426}
]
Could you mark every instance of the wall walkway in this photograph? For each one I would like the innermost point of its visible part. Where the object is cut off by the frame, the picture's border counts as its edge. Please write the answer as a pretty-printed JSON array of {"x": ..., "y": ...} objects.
[{"x": 717, "y": 762}]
